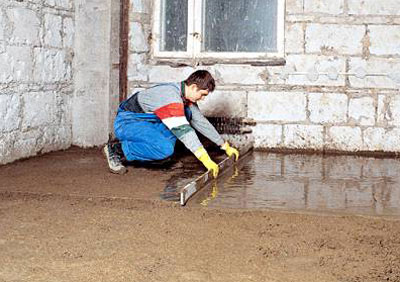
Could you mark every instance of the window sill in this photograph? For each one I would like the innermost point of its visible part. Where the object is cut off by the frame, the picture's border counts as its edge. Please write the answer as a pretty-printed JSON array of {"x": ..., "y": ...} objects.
[{"x": 177, "y": 63}]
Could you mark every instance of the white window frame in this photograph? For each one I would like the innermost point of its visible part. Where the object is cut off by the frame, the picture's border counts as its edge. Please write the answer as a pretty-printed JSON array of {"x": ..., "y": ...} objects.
[{"x": 195, "y": 30}]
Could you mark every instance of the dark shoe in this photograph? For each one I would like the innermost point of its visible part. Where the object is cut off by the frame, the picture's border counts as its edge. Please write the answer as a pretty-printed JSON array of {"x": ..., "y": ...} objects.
[{"x": 114, "y": 159}]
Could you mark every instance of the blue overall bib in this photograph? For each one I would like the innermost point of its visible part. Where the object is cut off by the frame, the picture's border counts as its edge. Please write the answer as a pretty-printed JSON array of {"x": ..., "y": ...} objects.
[{"x": 143, "y": 136}]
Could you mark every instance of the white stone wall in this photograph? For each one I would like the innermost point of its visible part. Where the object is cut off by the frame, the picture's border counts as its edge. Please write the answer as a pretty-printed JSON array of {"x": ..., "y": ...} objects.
[
  {"x": 59, "y": 74},
  {"x": 339, "y": 88},
  {"x": 36, "y": 55}
]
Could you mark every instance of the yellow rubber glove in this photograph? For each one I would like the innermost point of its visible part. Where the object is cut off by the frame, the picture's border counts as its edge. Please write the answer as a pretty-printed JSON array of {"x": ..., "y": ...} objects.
[
  {"x": 203, "y": 156},
  {"x": 230, "y": 150}
]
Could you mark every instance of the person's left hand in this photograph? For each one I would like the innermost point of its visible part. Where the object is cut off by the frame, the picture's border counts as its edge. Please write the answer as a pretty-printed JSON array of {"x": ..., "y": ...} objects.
[{"x": 230, "y": 150}]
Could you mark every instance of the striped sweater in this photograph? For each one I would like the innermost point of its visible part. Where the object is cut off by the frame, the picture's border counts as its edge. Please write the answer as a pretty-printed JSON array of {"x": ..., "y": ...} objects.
[{"x": 167, "y": 102}]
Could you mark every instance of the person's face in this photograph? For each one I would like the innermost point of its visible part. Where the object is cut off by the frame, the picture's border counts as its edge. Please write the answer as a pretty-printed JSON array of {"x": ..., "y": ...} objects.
[{"x": 194, "y": 94}]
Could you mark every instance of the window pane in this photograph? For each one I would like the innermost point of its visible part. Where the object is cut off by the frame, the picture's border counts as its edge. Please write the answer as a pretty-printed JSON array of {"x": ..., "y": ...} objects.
[
  {"x": 174, "y": 25},
  {"x": 240, "y": 26}
]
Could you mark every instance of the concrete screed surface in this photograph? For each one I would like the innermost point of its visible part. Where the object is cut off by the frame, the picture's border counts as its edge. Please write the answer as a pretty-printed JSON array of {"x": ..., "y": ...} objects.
[{"x": 60, "y": 222}]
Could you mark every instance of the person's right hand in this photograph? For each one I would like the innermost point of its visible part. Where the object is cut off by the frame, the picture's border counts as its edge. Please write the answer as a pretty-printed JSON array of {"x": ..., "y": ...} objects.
[
  {"x": 203, "y": 156},
  {"x": 211, "y": 165}
]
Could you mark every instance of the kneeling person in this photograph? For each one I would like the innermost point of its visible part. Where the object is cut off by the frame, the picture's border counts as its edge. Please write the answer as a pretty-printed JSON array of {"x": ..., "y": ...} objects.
[{"x": 148, "y": 124}]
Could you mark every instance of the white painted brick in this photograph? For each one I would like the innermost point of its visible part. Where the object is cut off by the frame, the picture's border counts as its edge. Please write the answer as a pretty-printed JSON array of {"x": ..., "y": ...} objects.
[
  {"x": 374, "y": 66},
  {"x": 25, "y": 144},
  {"x": 380, "y": 139},
  {"x": 303, "y": 63},
  {"x": 344, "y": 138},
  {"x": 68, "y": 30},
  {"x": 9, "y": 113},
  {"x": 229, "y": 74},
  {"x": 159, "y": 74},
  {"x": 327, "y": 108},
  {"x": 52, "y": 35},
  {"x": 58, "y": 3},
  {"x": 267, "y": 135},
  {"x": 294, "y": 38},
  {"x": 324, "y": 6},
  {"x": 224, "y": 103},
  {"x": 17, "y": 64},
  {"x": 38, "y": 110},
  {"x": 51, "y": 66},
  {"x": 137, "y": 6},
  {"x": 340, "y": 39},
  {"x": 5, "y": 69},
  {"x": 277, "y": 106},
  {"x": 55, "y": 138},
  {"x": 2, "y": 25},
  {"x": 26, "y": 26},
  {"x": 137, "y": 38},
  {"x": 385, "y": 39},
  {"x": 394, "y": 111},
  {"x": 303, "y": 136},
  {"x": 382, "y": 111},
  {"x": 373, "y": 7},
  {"x": 7, "y": 147},
  {"x": 294, "y": 6},
  {"x": 137, "y": 69},
  {"x": 362, "y": 110}
]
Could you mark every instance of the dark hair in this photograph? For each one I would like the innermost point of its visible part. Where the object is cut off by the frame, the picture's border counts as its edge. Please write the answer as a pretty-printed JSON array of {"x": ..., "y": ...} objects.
[{"x": 203, "y": 79}]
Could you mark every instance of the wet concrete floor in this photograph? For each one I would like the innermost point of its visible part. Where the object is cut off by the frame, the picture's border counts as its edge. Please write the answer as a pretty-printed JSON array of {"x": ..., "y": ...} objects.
[{"x": 310, "y": 183}]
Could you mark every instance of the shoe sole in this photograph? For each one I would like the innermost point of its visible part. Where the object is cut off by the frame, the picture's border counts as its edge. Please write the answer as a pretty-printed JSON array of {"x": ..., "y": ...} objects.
[{"x": 105, "y": 154}]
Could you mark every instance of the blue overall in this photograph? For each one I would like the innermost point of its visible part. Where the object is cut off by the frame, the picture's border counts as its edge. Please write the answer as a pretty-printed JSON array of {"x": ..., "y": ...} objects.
[{"x": 143, "y": 136}]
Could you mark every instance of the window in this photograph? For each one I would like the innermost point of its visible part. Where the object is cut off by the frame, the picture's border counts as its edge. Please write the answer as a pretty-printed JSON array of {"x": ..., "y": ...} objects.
[{"x": 218, "y": 28}]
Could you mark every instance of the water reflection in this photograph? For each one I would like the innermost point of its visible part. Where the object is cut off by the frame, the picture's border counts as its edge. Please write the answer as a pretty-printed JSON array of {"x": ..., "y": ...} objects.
[{"x": 345, "y": 184}]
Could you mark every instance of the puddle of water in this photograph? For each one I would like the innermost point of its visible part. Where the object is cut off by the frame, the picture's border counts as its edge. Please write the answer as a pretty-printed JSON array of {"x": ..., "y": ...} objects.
[{"x": 315, "y": 183}]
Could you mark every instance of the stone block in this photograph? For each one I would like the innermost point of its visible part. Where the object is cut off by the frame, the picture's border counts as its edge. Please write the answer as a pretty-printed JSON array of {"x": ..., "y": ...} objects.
[
  {"x": 382, "y": 111},
  {"x": 26, "y": 26},
  {"x": 384, "y": 39},
  {"x": 381, "y": 67},
  {"x": 373, "y": 7},
  {"x": 9, "y": 113},
  {"x": 58, "y": 3},
  {"x": 26, "y": 143},
  {"x": 51, "y": 66},
  {"x": 2, "y": 25},
  {"x": 158, "y": 74},
  {"x": 38, "y": 110},
  {"x": 394, "y": 111},
  {"x": 5, "y": 69},
  {"x": 344, "y": 138},
  {"x": 224, "y": 104},
  {"x": 302, "y": 65},
  {"x": 68, "y": 30},
  {"x": 267, "y": 135},
  {"x": 277, "y": 106},
  {"x": 294, "y": 38},
  {"x": 300, "y": 136},
  {"x": 137, "y": 39},
  {"x": 17, "y": 64},
  {"x": 137, "y": 67},
  {"x": 381, "y": 139},
  {"x": 362, "y": 110},
  {"x": 324, "y": 6},
  {"x": 137, "y": 6},
  {"x": 52, "y": 33},
  {"x": 294, "y": 6},
  {"x": 245, "y": 75},
  {"x": 338, "y": 39},
  {"x": 327, "y": 108},
  {"x": 55, "y": 137}
]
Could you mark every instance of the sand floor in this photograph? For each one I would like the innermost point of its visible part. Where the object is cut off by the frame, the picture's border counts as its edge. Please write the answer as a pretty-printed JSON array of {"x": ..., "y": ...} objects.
[{"x": 64, "y": 217}]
